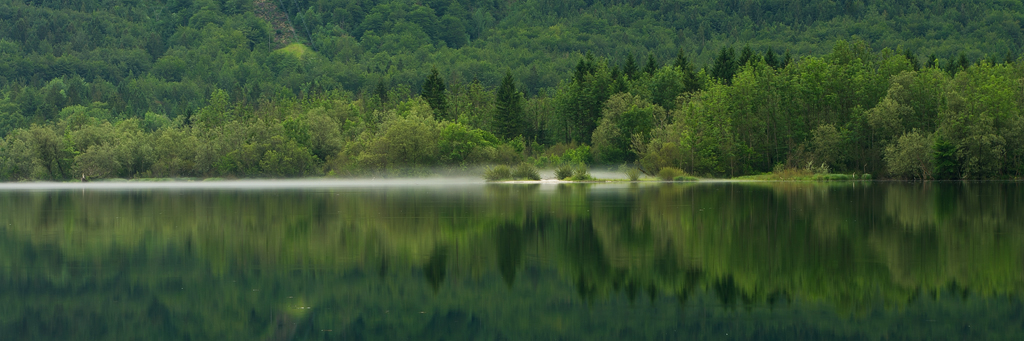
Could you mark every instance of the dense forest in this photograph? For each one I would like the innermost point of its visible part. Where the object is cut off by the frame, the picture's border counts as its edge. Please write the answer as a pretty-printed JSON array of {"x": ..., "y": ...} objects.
[{"x": 241, "y": 88}]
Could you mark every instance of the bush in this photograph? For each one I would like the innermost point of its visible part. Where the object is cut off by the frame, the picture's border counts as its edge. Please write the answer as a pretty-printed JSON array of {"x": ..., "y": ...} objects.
[
  {"x": 865, "y": 176},
  {"x": 525, "y": 171},
  {"x": 785, "y": 173},
  {"x": 580, "y": 173},
  {"x": 632, "y": 173},
  {"x": 670, "y": 173},
  {"x": 564, "y": 171},
  {"x": 685, "y": 178},
  {"x": 498, "y": 173}
]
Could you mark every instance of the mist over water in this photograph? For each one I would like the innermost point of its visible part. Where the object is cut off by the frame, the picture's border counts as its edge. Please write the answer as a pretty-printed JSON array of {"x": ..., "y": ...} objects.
[
  {"x": 258, "y": 184},
  {"x": 247, "y": 184}
]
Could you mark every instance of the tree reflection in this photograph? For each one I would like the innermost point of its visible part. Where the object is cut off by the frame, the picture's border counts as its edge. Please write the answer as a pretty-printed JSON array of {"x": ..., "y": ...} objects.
[{"x": 235, "y": 260}]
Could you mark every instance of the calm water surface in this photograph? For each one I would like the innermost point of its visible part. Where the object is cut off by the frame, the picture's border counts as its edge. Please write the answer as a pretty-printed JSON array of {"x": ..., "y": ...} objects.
[{"x": 469, "y": 261}]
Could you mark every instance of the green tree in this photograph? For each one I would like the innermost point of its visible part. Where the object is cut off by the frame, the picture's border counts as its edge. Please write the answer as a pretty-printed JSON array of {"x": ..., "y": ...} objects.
[
  {"x": 381, "y": 91},
  {"x": 725, "y": 65},
  {"x": 435, "y": 94},
  {"x": 913, "y": 59},
  {"x": 53, "y": 153},
  {"x": 579, "y": 104},
  {"x": 508, "y": 109},
  {"x": 747, "y": 55},
  {"x": 630, "y": 69},
  {"x": 771, "y": 59},
  {"x": 651, "y": 66},
  {"x": 910, "y": 156},
  {"x": 625, "y": 119},
  {"x": 826, "y": 146}
]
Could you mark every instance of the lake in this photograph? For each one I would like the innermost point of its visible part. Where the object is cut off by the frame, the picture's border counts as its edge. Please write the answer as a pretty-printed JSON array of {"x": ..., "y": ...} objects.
[{"x": 464, "y": 260}]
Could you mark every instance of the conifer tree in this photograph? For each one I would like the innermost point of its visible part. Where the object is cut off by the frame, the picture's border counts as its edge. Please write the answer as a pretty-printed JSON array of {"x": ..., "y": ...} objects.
[
  {"x": 681, "y": 61},
  {"x": 771, "y": 59},
  {"x": 933, "y": 61},
  {"x": 725, "y": 65},
  {"x": 508, "y": 109},
  {"x": 381, "y": 91},
  {"x": 434, "y": 94},
  {"x": 913, "y": 60},
  {"x": 584, "y": 68},
  {"x": 690, "y": 80},
  {"x": 652, "y": 65},
  {"x": 746, "y": 56},
  {"x": 630, "y": 69},
  {"x": 619, "y": 81}
]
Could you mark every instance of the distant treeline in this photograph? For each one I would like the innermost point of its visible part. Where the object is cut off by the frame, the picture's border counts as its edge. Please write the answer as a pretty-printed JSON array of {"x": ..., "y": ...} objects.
[{"x": 246, "y": 89}]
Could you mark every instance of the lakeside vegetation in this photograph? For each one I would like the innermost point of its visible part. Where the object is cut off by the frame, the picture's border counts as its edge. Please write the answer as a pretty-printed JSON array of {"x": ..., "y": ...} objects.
[{"x": 240, "y": 89}]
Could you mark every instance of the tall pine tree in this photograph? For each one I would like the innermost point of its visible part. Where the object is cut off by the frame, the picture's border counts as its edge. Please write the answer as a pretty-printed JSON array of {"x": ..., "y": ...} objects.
[
  {"x": 652, "y": 65},
  {"x": 630, "y": 69},
  {"x": 681, "y": 61},
  {"x": 746, "y": 56},
  {"x": 725, "y": 66},
  {"x": 771, "y": 59},
  {"x": 912, "y": 59},
  {"x": 508, "y": 109},
  {"x": 434, "y": 94},
  {"x": 690, "y": 80},
  {"x": 381, "y": 91}
]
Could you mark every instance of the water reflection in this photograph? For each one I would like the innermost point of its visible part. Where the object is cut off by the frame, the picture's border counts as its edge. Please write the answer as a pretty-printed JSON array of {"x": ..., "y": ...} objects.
[{"x": 757, "y": 260}]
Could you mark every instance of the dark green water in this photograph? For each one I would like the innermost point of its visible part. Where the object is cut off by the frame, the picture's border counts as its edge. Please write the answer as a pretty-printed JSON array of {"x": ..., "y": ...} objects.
[{"x": 451, "y": 261}]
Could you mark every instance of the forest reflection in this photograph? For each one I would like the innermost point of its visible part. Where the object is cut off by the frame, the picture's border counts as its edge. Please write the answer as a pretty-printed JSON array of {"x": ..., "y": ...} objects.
[{"x": 508, "y": 261}]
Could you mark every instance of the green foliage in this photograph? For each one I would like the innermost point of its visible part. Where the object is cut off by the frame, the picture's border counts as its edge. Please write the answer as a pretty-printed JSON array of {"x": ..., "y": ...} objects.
[
  {"x": 459, "y": 144},
  {"x": 508, "y": 115},
  {"x": 581, "y": 101},
  {"x": 498, "y": 173},
  {"x": 910, "y": 156},
  {"x": 632, "y": 173},
  {"x": 525, "y": 171},
  {"x": 624, "y": 117},
  {"x": 670, "y": 173},
  {"x": 202, "y": 69},
  {"x": 827, "y": 145},
  {"x": 580, "y": 155},
  {"x": 435, "y": 95},
  {"x": 835, "y": 177},
  {"x": 725, "y": 65},
  {"x": 580, "y": 172},
  {"x": 564, "y": 171}
]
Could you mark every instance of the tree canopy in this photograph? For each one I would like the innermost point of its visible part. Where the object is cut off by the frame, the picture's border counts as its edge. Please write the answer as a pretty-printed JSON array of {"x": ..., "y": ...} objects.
[{"x": 312, "y": 83}]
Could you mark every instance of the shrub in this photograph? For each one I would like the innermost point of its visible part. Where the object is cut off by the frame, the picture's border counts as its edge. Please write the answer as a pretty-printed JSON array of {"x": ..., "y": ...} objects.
[
  {"x": 685, "y": 178},
  {"x": 525, "y": 171},
  {"x": 865, "y": 176},
  {"x": 670, "y": 173},
  {"x": 580, "y": 173},
  {"x": 633, "y": 173},
  {"x": 564, "y": 171},
  {"x": 781, "y": 172},
  {"x": 498, "y": 173}
]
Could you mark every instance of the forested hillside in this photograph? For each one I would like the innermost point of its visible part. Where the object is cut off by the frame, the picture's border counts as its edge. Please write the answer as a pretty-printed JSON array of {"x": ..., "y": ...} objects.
[{"x": 243, "y": 88}]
